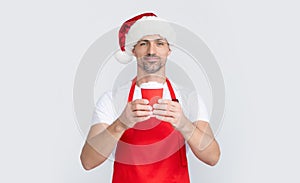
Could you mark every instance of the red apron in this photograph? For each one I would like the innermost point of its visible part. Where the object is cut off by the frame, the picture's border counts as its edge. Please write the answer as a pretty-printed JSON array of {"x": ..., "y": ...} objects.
[{"x": 151, "y": 152}]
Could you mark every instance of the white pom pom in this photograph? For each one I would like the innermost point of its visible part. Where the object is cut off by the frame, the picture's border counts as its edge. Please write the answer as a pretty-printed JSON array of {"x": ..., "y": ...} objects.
[{"x": 123, "y": 57}]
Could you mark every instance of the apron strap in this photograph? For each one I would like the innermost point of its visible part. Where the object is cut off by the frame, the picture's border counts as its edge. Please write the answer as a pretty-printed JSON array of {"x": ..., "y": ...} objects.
[{"x": 172, "y": 93}]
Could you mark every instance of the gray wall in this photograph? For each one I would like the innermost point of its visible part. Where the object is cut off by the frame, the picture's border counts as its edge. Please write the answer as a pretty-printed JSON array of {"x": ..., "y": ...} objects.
[{"x": 256, "y": 44}]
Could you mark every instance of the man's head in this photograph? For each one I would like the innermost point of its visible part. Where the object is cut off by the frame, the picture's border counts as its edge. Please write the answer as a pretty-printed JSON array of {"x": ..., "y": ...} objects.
[
  {"x": 151, "y": 52},
  {"x": 146, "y": 27}
]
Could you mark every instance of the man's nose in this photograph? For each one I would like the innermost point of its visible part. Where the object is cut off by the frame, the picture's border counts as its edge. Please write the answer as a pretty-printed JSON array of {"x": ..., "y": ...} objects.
[{"x": 151, "y": 48}]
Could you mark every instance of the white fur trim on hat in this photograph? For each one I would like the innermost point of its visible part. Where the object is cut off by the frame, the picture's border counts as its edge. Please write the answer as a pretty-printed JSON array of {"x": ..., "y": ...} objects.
[
  {"x": 149, "y": 26},
  {"x": 123, "y": 57}
]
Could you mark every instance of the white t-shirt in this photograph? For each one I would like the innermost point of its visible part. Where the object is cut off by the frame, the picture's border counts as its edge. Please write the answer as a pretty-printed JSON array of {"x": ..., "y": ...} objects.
[{"x": 111, "y": 104}]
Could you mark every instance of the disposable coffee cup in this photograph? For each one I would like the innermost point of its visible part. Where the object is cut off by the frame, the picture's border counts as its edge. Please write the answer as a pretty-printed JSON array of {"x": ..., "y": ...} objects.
[{"x": 152, "y": 91}]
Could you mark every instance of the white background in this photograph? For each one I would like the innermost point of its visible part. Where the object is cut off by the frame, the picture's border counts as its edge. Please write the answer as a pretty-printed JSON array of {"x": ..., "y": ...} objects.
[{"x": 256, "y": 44}]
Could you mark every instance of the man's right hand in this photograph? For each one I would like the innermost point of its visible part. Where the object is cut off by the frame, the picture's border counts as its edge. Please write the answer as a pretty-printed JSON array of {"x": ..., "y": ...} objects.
[{"x": 136, "y": 111}]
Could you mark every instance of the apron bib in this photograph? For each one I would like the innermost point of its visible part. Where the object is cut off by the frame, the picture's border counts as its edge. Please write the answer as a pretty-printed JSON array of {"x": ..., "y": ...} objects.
[{"x": 152, "y": 151}]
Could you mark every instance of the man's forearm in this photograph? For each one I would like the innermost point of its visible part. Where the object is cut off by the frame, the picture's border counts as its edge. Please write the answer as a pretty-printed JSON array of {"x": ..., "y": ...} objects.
[
  {"x": 99, "y": 147},
  {"x": 201, "y": 140}
]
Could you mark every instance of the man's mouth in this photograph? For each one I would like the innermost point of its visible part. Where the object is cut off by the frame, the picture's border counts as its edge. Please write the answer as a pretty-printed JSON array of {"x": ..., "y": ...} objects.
[{"x": 151, "y": 59}]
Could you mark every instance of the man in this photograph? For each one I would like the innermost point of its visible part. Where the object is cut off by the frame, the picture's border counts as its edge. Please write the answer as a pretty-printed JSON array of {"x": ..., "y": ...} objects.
[{"x": 149, "y": 141}]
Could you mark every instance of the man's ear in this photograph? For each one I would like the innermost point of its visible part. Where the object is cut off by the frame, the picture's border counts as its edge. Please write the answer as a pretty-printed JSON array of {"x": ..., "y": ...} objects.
[
  {"x": 133, "y": 52},
  {"x": 169, "y": 52}
]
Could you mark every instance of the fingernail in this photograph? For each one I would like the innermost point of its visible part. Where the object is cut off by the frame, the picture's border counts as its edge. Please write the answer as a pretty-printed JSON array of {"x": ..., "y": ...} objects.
[
  {"x": 159, "y": 100},
  {"x": 158, "y": 117},
  {"x": 146, "y": 101},
  {"x": 150, "y": 108},
  {"x": 154, "y": 111},
  {"x": 155, "y": 105}
]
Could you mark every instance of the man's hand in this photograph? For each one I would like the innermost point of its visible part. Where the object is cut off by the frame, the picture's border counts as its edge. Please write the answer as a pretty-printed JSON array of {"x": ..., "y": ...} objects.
[
  {"x": 136, "y": 111},
  {"x": 170, "y": 111}
]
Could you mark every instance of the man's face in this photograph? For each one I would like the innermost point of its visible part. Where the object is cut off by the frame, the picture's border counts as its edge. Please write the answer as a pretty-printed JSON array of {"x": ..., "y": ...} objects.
[{"x": 151, "y": 53}]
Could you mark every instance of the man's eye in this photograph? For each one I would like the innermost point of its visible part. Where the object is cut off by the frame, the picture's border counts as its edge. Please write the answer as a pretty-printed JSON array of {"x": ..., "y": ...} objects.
[
  {"x": 142, "y": 44},
  {"x": 160, "y": 43}
]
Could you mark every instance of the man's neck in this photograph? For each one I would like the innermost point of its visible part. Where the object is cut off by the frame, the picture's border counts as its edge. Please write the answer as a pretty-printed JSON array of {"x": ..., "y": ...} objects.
[{"x": 150, "y": 77}]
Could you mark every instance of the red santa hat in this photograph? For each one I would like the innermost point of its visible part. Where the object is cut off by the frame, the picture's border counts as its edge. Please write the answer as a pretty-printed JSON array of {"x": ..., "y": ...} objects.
[{"x": 137, "y": 27}]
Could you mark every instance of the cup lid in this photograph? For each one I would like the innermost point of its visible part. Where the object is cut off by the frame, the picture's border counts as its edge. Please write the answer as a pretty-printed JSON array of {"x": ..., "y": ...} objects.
[{"x": 152, "y": 85}]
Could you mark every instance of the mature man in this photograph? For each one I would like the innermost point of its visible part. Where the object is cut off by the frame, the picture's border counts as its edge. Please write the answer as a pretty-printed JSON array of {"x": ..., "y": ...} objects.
[{"x": 149, "y": 140}]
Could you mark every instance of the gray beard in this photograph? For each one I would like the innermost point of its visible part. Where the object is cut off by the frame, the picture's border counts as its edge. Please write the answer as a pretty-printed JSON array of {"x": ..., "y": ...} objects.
[{"x": 150, "y": 68}]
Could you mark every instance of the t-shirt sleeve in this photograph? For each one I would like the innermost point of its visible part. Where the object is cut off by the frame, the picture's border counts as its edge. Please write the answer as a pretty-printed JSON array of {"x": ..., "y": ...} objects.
[
  {"x": 196, "y": 108},
  {"x": 104, "y": 110},
  {"x": 202, "y": 111}
]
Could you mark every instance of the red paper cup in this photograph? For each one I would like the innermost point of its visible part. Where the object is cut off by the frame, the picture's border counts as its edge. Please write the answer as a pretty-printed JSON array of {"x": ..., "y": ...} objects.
[{"x": 152, "y": 94}]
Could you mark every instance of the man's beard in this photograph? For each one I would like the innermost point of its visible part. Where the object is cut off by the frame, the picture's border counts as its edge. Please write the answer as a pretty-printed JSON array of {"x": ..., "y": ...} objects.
[{"x": 151, "y": 67}]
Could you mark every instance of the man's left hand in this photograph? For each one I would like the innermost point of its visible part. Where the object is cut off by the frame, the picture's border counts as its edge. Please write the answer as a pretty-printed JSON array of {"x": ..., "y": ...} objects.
[{"x": 170, "y": 111}]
